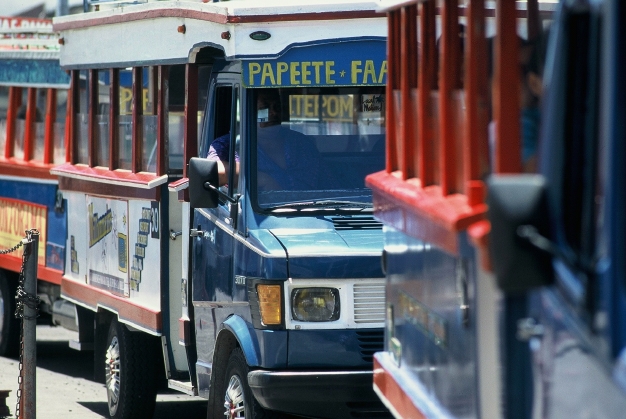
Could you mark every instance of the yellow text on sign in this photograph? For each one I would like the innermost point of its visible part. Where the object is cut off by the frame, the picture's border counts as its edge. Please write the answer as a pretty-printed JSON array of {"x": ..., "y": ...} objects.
[
  {"x": 18, "y": 216},
  {"x": 333, "y": 107},
  {"x": 305, "y": 73},
  {"x": 126, "y": 100}
]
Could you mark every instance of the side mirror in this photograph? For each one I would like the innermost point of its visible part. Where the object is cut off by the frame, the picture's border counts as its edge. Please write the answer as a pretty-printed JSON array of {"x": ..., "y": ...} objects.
[
  {"x": 203, "y": 181},
  {"x": 518, "y": 205}
]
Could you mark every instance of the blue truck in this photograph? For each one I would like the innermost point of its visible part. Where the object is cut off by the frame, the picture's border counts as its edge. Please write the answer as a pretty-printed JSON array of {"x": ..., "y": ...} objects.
[{"x": 221, "y": 233}]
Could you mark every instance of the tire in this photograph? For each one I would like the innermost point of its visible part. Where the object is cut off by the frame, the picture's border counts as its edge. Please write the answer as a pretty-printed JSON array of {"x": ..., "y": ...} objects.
[
  {"x": 9, "y": 325},
  {"x": 130, "y": 371},
  {"x": 234, "y": 398}
]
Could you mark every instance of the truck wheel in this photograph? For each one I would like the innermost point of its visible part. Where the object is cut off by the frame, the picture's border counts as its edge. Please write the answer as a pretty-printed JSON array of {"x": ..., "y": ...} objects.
[
  {"x": 237, "y": 396},
  {"x": 9, "y": 325},
  {"x": 130, "y": 370}
]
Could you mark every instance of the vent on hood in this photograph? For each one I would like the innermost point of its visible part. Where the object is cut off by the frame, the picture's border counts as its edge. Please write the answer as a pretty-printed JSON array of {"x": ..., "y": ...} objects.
[{"x": 356, "y": 223}]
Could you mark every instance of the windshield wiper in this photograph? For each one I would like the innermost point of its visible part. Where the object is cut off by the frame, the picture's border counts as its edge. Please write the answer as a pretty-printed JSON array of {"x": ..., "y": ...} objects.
[{"x": 324, "y": 203}]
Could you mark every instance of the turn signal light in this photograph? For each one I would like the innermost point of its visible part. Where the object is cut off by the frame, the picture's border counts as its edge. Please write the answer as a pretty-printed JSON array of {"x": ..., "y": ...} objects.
[{"x": 270, "y": 304}]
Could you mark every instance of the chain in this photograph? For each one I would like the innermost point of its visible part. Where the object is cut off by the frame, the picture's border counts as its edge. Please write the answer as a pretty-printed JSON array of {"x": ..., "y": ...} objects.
[
  {"x": 23, "y": 299},
  {"x": 14, "y": 248}
]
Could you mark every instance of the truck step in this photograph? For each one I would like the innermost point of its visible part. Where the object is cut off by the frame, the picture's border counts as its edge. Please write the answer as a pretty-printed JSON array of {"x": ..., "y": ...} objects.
[
  {"x": 81, "y": 346},
  {"x": 186, "y": 387}
]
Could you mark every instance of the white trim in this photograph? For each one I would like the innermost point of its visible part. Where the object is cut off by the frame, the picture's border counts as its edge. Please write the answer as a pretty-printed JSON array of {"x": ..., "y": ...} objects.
[
  {"x": 135, "y": 184},
  {"x": 78, "y": 302},
  {"x": 217, "y": 304},
  {"x": 167, "y": 45},
  {"x": 178, "y": 188}
]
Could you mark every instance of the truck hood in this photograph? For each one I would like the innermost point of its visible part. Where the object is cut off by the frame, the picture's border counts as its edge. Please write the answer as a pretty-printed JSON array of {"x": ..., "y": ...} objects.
[{"x": 324, "y": 242}]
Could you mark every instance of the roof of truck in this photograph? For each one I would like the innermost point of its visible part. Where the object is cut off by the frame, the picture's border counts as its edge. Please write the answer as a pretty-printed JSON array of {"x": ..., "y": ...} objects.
[{"x": 174, "y": 31}]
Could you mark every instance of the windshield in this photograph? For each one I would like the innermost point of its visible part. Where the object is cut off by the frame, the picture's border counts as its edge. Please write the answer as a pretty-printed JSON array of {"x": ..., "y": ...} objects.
[{"x": 314, "y": 147}]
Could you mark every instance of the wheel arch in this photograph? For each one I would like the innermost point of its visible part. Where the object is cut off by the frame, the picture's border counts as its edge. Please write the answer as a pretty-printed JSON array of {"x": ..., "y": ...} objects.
[
  {"x": 245, "y": 339},
  {"x": 234, "y": 333}
]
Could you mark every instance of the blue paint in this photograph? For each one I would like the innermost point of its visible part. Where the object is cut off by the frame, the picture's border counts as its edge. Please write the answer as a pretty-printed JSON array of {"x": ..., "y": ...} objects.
[
  {"x": 33, "y": 72},
  {"x": 244, "y": 334}
]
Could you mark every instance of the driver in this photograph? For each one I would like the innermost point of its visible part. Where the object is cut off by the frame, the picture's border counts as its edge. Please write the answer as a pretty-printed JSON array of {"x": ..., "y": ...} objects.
[{"x": 286, "y": 159}]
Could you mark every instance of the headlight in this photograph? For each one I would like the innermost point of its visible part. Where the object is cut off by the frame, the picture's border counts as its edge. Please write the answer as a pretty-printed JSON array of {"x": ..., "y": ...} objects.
[{"x": 315, "y": 304}]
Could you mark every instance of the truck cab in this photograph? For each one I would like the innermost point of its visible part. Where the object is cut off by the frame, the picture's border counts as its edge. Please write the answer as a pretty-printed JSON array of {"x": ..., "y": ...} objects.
[{"x": 286, "y": 252}]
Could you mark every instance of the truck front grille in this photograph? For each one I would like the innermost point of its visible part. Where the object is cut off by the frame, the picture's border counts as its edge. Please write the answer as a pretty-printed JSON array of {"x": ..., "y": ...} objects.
[
  {"x": 370, "y": 341},
  {"x": 369, "y": 302}
]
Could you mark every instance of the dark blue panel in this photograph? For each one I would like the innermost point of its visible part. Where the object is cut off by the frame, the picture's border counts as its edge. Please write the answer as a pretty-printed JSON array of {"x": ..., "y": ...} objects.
[
  {"x": 333, "y": 348},
  {"x": 212, "y": 261},
  {"x": 272, "y": 348},
  {"x": 33, "y": 72},
  {"x": 425, "y": 288},
  {"x": 348, "y": 266}
]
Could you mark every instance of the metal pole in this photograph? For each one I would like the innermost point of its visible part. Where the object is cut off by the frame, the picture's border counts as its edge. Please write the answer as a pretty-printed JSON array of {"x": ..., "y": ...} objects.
[
  {"x": 62, "y": 8},
  {"x": 30, "y": 338}
]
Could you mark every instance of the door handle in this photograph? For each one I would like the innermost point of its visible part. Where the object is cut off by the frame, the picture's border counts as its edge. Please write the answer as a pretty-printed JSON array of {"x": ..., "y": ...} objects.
[{"x": 196, "y": 233}]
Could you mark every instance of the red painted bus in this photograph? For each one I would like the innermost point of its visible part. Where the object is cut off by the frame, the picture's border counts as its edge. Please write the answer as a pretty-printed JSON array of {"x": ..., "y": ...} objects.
[{"x": 33, "y": 98}]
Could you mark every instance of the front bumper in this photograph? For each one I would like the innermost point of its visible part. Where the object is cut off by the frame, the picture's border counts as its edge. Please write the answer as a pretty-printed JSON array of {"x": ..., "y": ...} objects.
[{"x": 319, "y": 394}]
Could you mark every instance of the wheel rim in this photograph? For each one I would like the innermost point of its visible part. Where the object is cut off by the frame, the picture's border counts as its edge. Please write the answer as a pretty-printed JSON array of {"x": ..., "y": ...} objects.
[
  {"x": 112, "y": 369},
  {"x": 234, "y": 402}
]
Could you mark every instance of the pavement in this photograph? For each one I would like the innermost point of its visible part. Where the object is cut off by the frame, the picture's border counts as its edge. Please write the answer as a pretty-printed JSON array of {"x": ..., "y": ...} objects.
[{"x": 65, "y": 388}]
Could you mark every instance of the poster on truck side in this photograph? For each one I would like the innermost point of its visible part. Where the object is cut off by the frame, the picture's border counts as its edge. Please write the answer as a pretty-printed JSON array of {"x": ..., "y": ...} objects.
[
  {"x": 144, "y": 262},
  {"x": 16, "y": 217},
  {"x": 107, "y": 241}
]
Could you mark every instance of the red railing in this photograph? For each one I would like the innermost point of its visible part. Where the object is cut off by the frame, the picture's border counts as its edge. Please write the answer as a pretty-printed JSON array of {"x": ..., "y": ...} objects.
[{"x": 438, "y": 111}]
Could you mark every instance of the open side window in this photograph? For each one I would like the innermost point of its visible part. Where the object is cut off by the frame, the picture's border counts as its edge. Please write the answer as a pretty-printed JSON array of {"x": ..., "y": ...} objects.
[
  {"x": 137, "y": 119},
  {"x": 32, "y": 124}
]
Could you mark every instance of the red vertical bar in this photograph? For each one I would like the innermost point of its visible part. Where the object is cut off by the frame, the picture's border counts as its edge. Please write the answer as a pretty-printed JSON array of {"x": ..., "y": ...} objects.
[
  {"x": 475, "y": 130},
  {"x": 475, "y": 85},
  {"x": 507, "y": 90},
  {"x": 137, "y": 147},
  {"x": 73, "y": 106},
  {"x": 408, "y": 82},
  {"x": 162, "y": 111},
  {"x": 191, "y": 114},
  {"x": 426, "y": 75},
  {"x": 114, "y": 117},
  {"x": 533, "y": 22},
  {"x": 29, "y": 123},
  {"x": 393, "y": 41},
  {"x": 447, "y": 83},
  {"x": 15, "y": 99},
  {"x": 51, "y": 116},
  {"x": 92, "y": 137}
]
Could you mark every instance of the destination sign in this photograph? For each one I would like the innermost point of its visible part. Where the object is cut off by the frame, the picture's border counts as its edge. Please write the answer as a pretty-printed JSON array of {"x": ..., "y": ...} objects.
[{"x": 351, "y": 63}]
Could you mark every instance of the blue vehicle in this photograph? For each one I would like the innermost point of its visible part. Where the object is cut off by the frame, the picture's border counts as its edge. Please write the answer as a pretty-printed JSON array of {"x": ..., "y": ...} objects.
[
  {"x": 220, "y": 226},
  {"x": 505, "y": 290}
]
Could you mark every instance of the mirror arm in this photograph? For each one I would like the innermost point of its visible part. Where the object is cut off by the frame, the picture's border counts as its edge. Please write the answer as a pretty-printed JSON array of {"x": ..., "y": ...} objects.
[
  {"x": 532, "y": 236},
  {"x": 231, "y": 199}
]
